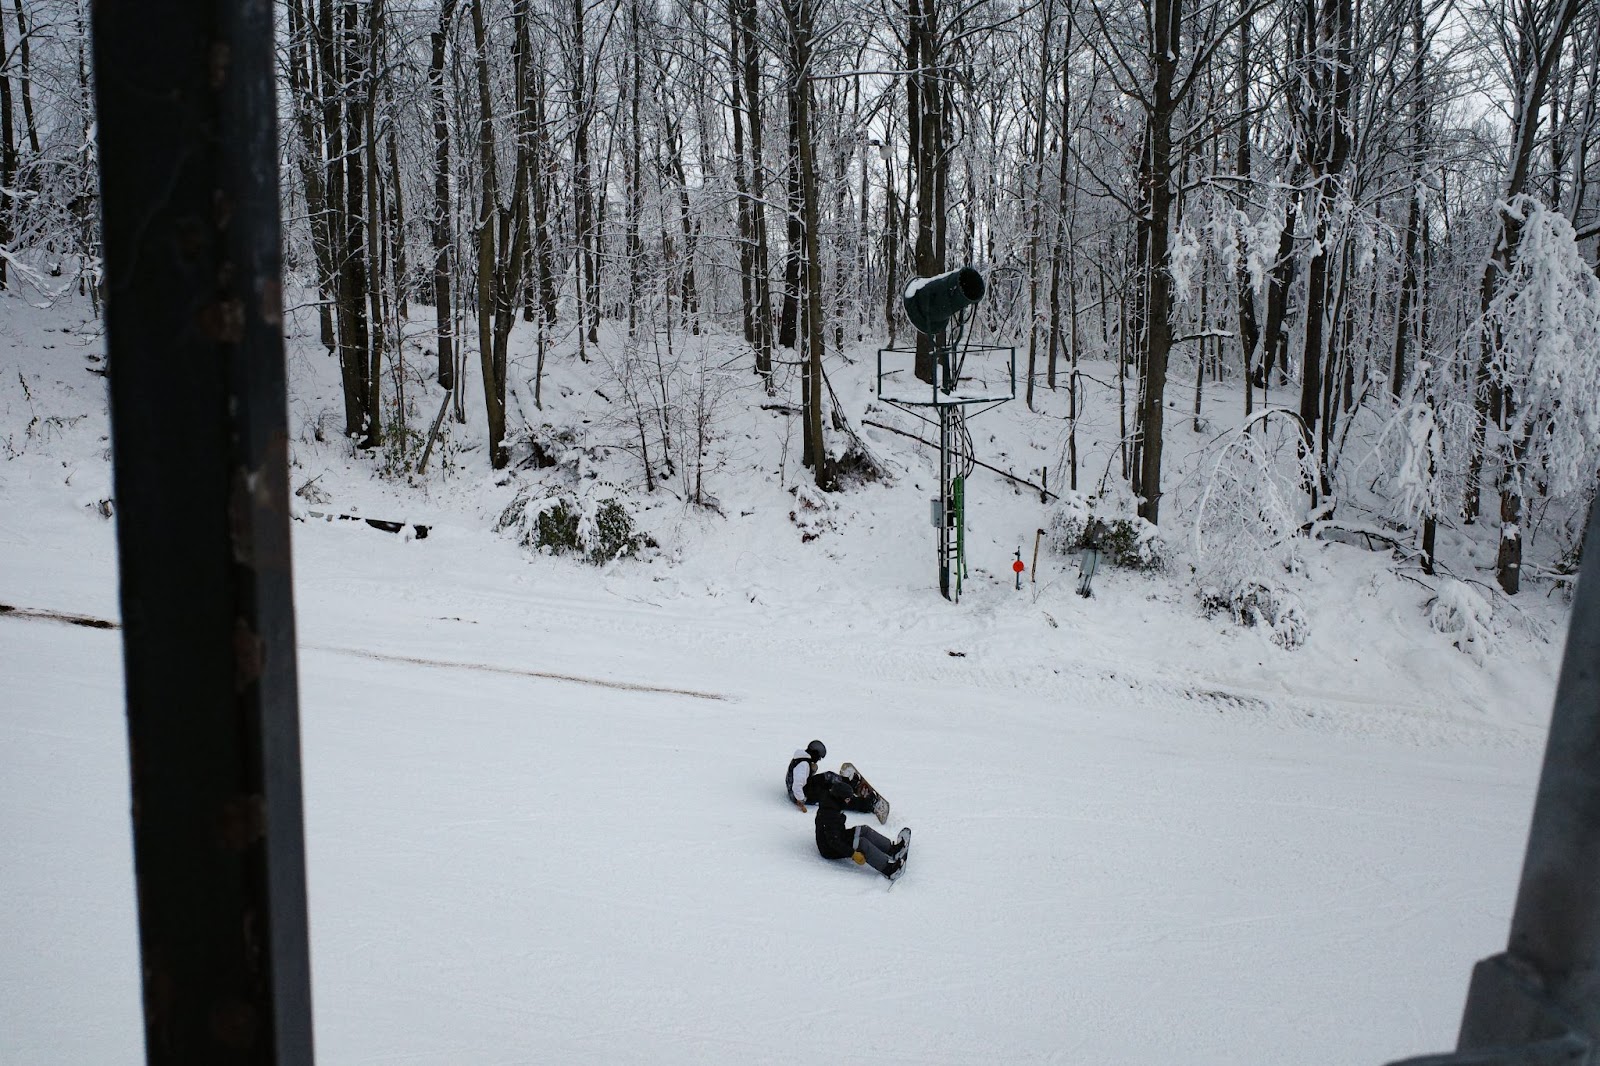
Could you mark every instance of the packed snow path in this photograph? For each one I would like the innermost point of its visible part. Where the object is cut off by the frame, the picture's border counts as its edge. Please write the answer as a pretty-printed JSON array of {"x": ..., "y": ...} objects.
[{"x": 507, "y": 868}]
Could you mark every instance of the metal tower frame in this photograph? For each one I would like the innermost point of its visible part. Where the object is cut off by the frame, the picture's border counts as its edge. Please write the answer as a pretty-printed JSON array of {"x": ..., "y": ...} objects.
[{"x": 956, "y": 459}]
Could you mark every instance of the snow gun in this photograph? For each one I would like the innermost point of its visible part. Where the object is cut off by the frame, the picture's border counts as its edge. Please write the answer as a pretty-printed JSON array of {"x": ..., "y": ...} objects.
[{"x": 932, "y": 302}]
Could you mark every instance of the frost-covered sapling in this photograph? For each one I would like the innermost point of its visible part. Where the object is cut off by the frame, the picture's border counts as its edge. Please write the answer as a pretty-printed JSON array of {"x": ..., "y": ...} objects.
[
  {"x": 1542, "y": 359},
  {"x": 1459, "y": 611},
  {"x": 1417, "y": 490},
  {"x": 1245, "y": 539},
  {"x": 702, "y": 394}
]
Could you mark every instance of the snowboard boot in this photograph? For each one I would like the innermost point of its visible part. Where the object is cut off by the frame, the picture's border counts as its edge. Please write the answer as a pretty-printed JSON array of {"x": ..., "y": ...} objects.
[{"x": 897, "y": 865}]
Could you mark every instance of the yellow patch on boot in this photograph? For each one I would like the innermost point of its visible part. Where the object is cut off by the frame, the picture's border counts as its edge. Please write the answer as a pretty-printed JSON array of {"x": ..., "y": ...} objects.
[{"x": 860, "y": 859}]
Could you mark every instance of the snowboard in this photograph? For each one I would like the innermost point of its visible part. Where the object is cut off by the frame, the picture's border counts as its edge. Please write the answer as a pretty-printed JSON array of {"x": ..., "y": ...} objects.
[{"x": 864, "y": 789}]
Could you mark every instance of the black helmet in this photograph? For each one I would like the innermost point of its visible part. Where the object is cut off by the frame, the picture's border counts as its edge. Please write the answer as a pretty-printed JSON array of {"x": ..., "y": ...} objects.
[{"x": 817, "y": 750}]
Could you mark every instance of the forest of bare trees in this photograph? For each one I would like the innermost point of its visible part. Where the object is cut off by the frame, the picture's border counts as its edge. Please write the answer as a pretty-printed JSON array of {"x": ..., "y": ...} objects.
[{"x": 1338, "y": 206}]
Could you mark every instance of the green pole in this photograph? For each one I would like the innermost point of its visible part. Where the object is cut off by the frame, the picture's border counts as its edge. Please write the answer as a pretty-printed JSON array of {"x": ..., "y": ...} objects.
[{"x": 958, "y": 493}]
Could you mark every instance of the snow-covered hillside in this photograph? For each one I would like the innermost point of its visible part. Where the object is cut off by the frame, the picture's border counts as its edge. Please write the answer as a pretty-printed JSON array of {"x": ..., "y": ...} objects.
[{"x": 543, "y": 807}]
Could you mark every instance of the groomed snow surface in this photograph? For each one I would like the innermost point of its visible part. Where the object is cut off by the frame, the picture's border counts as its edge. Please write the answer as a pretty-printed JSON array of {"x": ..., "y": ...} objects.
[{"x": 1142, "y": 836}]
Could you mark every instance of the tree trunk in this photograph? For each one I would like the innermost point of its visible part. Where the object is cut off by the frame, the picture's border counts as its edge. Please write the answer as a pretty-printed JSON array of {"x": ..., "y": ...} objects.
[
  {"x": 539, "y": 190},
  {"x": 322, "y": 129},
  {"x": 8, "y": 152},
  {"x": 794, "y": 233},
  {"x": 1036, "y": 169},
  {"x": 891, "y": 244},
  {"x": 494, "y": 393},
  {"x": 761, "y": 276},
  {"x": 1329, "y": 73},
  {"x": 798, "y": 14},
  {"x": 582, "y": 182},
  {"x": 1280, "y": 279},
  {"x": 444, "y": 237},
  {"x": 513, "y": 222},
  {"x": 1156, "y": 197},
  {"x": 399, "y": 268},
  {"x": 25, "y": 82},
  {"x": 689, "y": 296},
  {"x": 632, "y": 168},
  {"x": 1409, "y": 313},
  {"x": 930, "y": 163},
  {"x": 1059, "y": 251},
  {"x": 741, "y": 185},
  {"x": 1249, "y": 331},
  {"x": 375, "y": 228},
  {"x": 354, "y": 339}
]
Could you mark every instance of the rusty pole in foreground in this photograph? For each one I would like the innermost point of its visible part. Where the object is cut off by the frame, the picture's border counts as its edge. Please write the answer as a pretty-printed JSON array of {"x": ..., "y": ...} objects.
[{"x": 185, "y": 95}]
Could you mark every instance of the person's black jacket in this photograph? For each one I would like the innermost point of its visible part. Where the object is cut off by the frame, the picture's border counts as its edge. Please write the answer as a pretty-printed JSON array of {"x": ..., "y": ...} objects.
[{"x": 830, "y": 792}]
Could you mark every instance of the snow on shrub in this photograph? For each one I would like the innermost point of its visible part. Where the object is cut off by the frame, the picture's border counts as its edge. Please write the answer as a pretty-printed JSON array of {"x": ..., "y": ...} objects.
[
  {"x": 1275, "y": 609},
  {"x": 1124, "y": 539},
  {"x": 1458, "y": 610},
  {"x": 1245, "y": 540},
  {"x": 590, "y": 523},
  {"x": 814, "y": 512}
]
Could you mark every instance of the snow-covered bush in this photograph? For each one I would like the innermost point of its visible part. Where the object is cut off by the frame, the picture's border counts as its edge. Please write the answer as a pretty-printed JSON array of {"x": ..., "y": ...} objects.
[
  {"x": 546, "y": 445},
  {"x": 1124, "y": 539},
  {"x": 1245, "y": 540},
  {"x": 594, "y": 524},
  {"x": 1458, "y": 610},
  {"x": 1253, "y": 604},
  {"x": 814, "y": 512}
]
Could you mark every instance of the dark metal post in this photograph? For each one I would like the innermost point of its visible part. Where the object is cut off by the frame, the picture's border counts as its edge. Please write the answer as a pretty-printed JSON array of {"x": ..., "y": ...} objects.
[
  {"x": 188, "y": 147},
  {"x": 1538, "y": 1002}
]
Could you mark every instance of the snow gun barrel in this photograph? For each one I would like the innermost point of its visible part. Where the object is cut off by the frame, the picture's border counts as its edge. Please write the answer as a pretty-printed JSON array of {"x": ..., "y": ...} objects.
[{"x": 932, "y": 302}]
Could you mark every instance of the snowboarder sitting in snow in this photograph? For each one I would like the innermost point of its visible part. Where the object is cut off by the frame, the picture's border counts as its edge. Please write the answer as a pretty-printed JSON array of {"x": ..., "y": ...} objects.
[
  {"x": 865, "y": 845},
  {"x": 804, "y": 779}
]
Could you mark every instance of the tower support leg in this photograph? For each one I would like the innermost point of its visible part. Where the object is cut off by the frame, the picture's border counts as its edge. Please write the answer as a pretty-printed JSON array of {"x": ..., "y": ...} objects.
[{"x": 945, "y": 502}]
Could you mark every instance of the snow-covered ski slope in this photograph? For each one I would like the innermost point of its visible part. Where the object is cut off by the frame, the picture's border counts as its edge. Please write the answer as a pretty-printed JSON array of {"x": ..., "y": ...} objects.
[{"x": 544, "y": 809}]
